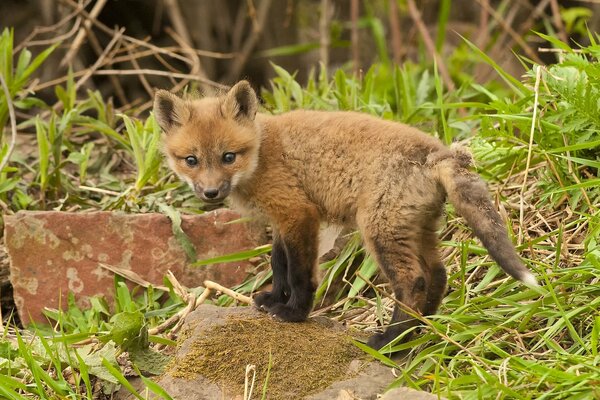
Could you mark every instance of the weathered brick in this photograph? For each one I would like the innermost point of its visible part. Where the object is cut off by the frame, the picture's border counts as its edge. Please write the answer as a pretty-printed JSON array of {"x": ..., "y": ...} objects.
[{"x": 52, "y": 253}]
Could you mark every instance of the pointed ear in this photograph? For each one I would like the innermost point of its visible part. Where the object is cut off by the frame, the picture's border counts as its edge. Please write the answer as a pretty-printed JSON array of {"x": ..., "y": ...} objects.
[
  {"x": 170, "y": 111},
  {"x": 240, "y": 102}
]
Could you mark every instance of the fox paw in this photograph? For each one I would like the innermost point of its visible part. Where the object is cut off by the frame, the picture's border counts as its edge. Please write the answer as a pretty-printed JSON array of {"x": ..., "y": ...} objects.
[
  {"x": 265, "y": 300},
  {"x": 286, "y": 313},
  {"x": 382, "y": 341},
  {"x": 378, "y": 341}
]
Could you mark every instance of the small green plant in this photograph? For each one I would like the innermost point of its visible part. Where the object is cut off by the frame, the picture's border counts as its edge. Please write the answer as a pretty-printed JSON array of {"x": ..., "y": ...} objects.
[
  {"x": 15, "y": 77},
  {"x": 86, "y": 344}
]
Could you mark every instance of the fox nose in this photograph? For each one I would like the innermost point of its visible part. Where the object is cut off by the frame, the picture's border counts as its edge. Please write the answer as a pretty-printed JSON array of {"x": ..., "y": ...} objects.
[{"x": 211, "y": 193}]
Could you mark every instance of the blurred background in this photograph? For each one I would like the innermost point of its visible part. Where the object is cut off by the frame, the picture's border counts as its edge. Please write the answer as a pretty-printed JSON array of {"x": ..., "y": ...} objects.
[
  {"x": 223, "y": 41},
  {"x": 517, "y": 81}
]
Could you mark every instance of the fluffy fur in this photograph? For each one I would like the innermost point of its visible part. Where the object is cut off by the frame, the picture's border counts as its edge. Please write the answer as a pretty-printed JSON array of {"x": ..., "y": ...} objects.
[{"x": 302, "y": 168}]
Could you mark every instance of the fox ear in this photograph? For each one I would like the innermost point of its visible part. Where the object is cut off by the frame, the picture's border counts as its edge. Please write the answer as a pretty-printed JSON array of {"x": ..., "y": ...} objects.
[
  {"x": 169, "y": 110},
  {"x": 240, "y": 102}
]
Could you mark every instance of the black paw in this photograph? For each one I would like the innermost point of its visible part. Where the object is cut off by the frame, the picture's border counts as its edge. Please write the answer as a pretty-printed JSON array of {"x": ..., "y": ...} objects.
[
  {"x": 265, "y": 300},
  {"x": 381, "y": 341},
  {"x": 286, "y": 313}
]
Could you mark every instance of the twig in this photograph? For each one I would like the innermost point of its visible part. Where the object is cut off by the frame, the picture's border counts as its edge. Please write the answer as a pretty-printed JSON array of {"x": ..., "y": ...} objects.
[
  {"x": 90, "y": 71},
  {"x": 213, "y": 54},
  {"x": 396, "y": 32},
  {"x": 237, "y": 296},
  {"x": 131, "y": 39},
  {"x": 252, "y": 14},
  {"x": 324, "y": 33},
  {"x": 239, "y": 25},
  {"x": 13, "y": 123},
  {"x": 82, "y": 32},
  {"x": 501, "y": 41},
  {"x": 248, "y": 390},
  {"x": 132, "y": 276},
  {"x": 179, "y": 289},
  {"x": 142, "y": 78},
  {"x": 174, "y": 11},
  {"x": 52, "y": 28},
  {"x": 98, "y": 190},
  {"x": 536, "y": 87},
  {"x": 132, "y": 72},
  {"x": 159, "y": 73},
  {"x": 537, "y": 12},
  {"x": 240, "y": 61},
  {"x": 484, "y": 19},
  {"x": 195, "y": 64},
  {"x": 553, "y": 50},
  {"x": 558, "y": 22},
  {"x": 354, "y": 36},
  {"x": 515, "y": 36},
  {"x": 180, "y": 315},
  {"x": 416, "y": 16},
  {"x": 95, "y": 43}
]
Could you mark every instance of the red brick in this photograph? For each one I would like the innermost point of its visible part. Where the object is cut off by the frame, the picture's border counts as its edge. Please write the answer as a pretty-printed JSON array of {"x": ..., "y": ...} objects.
[{"x": 52, "y": 253}]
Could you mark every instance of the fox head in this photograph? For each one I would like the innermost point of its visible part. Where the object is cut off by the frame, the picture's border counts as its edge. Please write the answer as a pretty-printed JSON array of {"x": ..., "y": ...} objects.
[{"x": 211, "y": 143}]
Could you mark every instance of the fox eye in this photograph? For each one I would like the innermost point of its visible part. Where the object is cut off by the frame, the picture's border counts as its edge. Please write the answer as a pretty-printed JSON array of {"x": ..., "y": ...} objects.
[
  {"x": 228, "y": 158},
  {"x": 191, "y": 161}
]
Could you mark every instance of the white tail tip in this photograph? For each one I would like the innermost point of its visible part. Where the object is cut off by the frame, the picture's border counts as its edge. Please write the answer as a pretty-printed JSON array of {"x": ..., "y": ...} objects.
[{"x": 530, "y": 280}]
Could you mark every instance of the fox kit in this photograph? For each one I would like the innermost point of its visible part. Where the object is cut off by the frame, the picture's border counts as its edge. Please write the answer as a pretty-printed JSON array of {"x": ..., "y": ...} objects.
[{"x": 302, "y": 168}]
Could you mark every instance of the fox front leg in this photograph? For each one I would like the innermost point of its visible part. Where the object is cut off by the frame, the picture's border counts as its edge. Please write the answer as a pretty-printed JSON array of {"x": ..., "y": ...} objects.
[
  {"x": 300, "y": 244},
  {"x": 280, "y": 294}
]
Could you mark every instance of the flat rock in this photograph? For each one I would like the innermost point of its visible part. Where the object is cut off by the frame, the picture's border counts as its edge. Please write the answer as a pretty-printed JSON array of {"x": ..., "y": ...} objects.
[
  {"x": 408, "y": 394},
  {"x": 368, "y": 379},
  {"x": 53, "y": 253}
]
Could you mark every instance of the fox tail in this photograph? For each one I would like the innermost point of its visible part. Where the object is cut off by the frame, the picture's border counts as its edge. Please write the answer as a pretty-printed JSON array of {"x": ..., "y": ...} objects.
[{"x": 470, "y": 196}]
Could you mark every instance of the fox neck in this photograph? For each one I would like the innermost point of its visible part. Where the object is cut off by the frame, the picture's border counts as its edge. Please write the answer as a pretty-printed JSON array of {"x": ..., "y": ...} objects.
[{"x": 245, "y": 181}]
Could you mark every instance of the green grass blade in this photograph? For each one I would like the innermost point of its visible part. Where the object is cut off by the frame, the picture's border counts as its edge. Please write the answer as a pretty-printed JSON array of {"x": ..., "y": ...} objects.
[{"x": 233, "y": 257}]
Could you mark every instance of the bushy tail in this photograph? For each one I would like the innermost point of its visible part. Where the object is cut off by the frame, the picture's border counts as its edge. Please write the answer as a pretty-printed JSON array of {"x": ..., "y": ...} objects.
[{"x": 470, "y": 196}]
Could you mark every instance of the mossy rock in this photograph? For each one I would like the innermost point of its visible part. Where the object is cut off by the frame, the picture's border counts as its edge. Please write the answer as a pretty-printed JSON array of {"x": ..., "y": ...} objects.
[{"x": 315, "y": 359}]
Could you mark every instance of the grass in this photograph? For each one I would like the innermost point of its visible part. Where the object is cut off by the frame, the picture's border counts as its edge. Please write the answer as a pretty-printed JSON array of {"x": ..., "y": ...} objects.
[{"x": 492, "y": 337}]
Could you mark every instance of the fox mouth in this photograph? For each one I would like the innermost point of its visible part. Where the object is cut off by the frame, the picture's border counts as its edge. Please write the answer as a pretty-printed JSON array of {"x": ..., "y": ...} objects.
[
  {"x": 212, "y": 201},
  {"x": 212, "y": 196}
]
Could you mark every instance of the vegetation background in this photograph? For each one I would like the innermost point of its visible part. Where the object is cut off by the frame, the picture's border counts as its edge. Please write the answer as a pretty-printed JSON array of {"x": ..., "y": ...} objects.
[{"x": 518, "y": 81}]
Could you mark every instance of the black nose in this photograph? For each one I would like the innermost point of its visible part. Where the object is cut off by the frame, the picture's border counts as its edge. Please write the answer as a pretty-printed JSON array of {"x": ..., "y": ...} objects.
[{"x": 211, "y": 193}]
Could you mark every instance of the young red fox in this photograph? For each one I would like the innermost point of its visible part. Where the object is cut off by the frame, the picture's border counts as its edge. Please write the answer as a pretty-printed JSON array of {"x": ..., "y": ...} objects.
[{"x": 302, "y": 168}]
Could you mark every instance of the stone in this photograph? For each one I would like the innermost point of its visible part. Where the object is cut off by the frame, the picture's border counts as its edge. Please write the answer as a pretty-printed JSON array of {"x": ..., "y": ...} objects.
[
  {"x": 368, "y": 379},
  {"x": 404, "y": 393},
  {"x": 53, "y": 253}
]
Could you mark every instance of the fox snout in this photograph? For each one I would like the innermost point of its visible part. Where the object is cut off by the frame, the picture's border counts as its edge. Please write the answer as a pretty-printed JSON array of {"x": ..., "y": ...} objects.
[{"x": 213, "y": 193}]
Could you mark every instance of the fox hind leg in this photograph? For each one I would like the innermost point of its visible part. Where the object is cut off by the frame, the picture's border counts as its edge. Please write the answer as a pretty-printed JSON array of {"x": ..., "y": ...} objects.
[
  {"x": 395, "y": 249},
  {"x": 433, "y": 266},
  {"x": 437, "y": 288}
]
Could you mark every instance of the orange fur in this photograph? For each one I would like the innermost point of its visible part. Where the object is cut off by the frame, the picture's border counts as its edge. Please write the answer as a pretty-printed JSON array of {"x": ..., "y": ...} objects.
[{"x": 302, "y": 168}]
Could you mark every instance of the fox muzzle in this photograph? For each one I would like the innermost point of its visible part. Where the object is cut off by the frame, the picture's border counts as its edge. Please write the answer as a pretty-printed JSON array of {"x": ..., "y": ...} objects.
[{"x": 213, "y": 194}]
